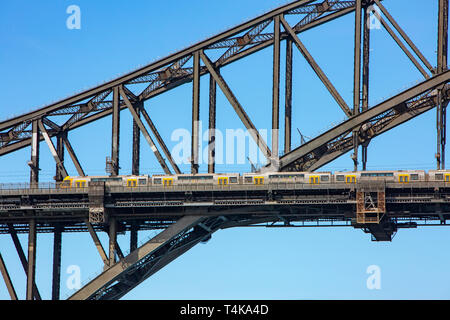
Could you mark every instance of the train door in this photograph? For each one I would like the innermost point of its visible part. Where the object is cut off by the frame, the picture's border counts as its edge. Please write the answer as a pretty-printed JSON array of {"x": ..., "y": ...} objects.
[
  {"x": 447, "y": 177},
  {"x": 223, "y": 181},
  {"x": 350, "y": 179},
  {"x": 132, "y": 183},
  {"x": 314, "y": 179},
  {"x": 403, "y": 178},
  {"x": 258, "y": 180},
  {"x": 167, "y": 182}
]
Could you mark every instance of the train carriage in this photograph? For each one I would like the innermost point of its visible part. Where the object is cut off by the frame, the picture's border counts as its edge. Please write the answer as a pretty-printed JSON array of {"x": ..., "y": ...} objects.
[{"x": 439, "y": 175}]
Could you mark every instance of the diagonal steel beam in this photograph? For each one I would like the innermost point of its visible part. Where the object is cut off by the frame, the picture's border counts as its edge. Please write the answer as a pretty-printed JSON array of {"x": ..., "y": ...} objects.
[
  {"x": 74, "y": 157},
  {"x": 5, "y": 149},
  {"x": 403, "y": 47},
  {"x": 348, "y": 125},
  {"x": 160, "y": 141},
  {"x": 7, "y": 279},
  {"x": 236, "y": 105},
  {"x": 316, "y": 68},
  {"x": 50, "y": 145},
  {"x": 405, "y": 36},
  {"x": 144, "y": 131},
  {"x": 131, "y": 260},
  {"x": 97, "y": 243}
]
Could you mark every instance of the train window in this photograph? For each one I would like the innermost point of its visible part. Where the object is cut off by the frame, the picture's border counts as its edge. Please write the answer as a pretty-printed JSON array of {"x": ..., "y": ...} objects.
[
  {"x": 439, "y": 176},
  {"x": 142, "y": 182},
  {"x": 233, "y": 180},
  {"x": 340, "y": 178},
  {"x": 414, "y": 176},
  {"x": 248, "y": 179},
  {"x": 324, "y": 178},
  {"x": 403, "y": 178},
  {"x": 66, "y": 184},
  {"x": 157, "y": 181},
  {"x": 447, "y": 178}
]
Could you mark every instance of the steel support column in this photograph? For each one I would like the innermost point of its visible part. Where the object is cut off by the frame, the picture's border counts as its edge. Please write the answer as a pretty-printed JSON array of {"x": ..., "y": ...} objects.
[
  {"x": 97, "y": 243},
  {"x": 276, "y": 88},
  {"x": 31, "y": 274},
  {"x": 22, "y": 257},
  {"x": 288, "y": 98},
  {"x": 34, "y": 163},
  {"x": 135, "y": 163},
  {"x": 357, "y": 79},
  {"x": 59, "y": 176},
  {"x": 57, "y": 235},
  {"x": 7, "y": 278},
  {"x": 144, "y": 131},
  {"x": 112, "y": 240},
  {"x": 115, "y": 132},
  {"x": 133, "y": 236},
  {"x": 195, "y": 113},
  {"x": 48, "y": 140},
  {"x": 365, "y": 75},
  {"x": 441, "y": 112},
  {"x": 212, "y": 125}
]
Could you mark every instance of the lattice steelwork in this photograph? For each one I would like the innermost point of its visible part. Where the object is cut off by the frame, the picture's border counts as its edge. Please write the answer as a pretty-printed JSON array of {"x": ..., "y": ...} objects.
[{"x": 182, "y": 228}]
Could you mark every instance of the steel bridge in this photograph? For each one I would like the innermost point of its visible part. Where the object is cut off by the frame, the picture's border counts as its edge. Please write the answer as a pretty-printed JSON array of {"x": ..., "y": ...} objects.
[{"x": 189, "y": 215}]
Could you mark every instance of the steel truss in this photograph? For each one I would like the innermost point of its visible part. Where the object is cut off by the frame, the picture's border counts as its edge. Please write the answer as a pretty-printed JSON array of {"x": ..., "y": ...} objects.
[{"x": 55, "y": 121}]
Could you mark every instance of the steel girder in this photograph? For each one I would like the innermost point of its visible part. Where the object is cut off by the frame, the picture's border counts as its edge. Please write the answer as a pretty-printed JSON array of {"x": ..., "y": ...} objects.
[
  {"x": 168, "y": 73},
  {"x": 303, "y": 157}
]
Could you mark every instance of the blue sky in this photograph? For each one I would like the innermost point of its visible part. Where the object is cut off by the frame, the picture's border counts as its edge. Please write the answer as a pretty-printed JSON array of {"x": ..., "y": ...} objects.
[{"x": 42, "y": 61}]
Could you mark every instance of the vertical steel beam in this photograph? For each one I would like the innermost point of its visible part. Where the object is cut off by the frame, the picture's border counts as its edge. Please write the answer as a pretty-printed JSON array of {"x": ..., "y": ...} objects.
[
  {"x": 195, "y": 114},
  {"x": 112, "y": 240},
  {"x": 57, "y": 235},
  {"x": 34, "y": 163},
  {"x": 237, "y": 106},
  {"x": 6, "y": 277},
  {"x": 48, "y": 140},
  {"x": 212, "y": 125},
  {"x": 135, "y": 165},
  {"x": 22, "y": 257},
  {"x": 365, "y": 75},
  {"x": 319, "y": 72},
  {"x": 60, "y": 151},
  {"x": 133, "y": 236},
  {"x": 441, "y": 112},
  {"x": 357, "y": 78},
  {"x": 115, "y": 132},
  {"x": 31, "y": 274},
  {"x": 288, "y": 98},
  {"x": 144, "y": 131},
  {"x": 276, "y": 88}
]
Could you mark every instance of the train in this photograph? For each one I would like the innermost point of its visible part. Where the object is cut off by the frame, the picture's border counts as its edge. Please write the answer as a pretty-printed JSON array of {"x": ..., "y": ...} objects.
[{"x": 230, "y": 179}]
